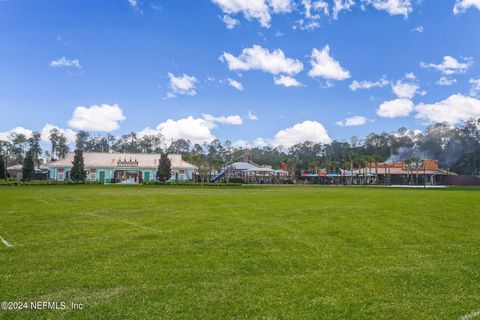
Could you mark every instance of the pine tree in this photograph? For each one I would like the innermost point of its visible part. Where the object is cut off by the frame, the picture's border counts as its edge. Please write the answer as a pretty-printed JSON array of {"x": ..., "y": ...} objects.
[
  {"x": 28, "y": 166},
  {"x": 78, "y": 170},
  {"x": 3, "y": 169},
  {"x": 164, "y": 171}
]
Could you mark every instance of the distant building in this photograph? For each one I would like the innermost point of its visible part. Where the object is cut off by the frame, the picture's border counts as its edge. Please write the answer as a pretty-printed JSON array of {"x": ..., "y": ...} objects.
[
  {"x": 405, "y": 172},
  {"x": 121, "y": 167},
  {"x": 15, "y": 172}
]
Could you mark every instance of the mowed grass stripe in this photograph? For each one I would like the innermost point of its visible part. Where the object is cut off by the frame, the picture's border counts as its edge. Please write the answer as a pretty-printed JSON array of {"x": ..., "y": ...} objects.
[{"x": 262, "y": 252}]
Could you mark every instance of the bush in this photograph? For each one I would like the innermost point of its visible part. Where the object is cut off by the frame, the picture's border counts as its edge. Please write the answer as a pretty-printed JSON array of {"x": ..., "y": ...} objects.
[
  {"x": 46, "y": 183},
  {"x": 236, "y": 180},
  {"x": 191, "y": 184}
]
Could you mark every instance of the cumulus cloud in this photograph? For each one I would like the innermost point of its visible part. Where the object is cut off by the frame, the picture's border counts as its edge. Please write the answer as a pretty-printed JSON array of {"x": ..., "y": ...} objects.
[
  {"x": 393, "y": 7},
  {"x": 251, "y": 116},
  {"x": 231, "y": 120},
  {"x": 287, "y": 81},
  {"x": 462, "y": 5},
  {"x": 445, "y": 81},
  {"x": 306, "y": 131},
  {"x": 395, "y": 108},
  {"x": 449, "y": 65},
  {"x": 367, "y": 85},
  {"x": 235, "y": 84},
  {"x": 259, "y": 10},
  {"x": 352, "y": 121},
  {"x": 230, "y": 22},
  {"x": 258, "y": 58},
  {"x": 410, "y": 76},
  {"x": 5, "y": 135},
  {"x": 68, "y": 133},
  {"x": 405, "y": 89},
  {"x": 241, "y": 143},
  {"x": 454, "y": 109},
  {"x": 181, "y": 85},
  {"x": 197, "y": 130},
  {"x": 281, "y": 6},
  {"x": 475, "y": 90},
  {"x": 64, "y": 62},
  {"x": 324, "y": 66},
  {"x": 104, "y": 118}
]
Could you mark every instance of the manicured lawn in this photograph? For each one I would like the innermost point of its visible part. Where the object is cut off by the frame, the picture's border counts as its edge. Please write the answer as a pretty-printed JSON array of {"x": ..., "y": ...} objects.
[{"x": 137, "y": 252}]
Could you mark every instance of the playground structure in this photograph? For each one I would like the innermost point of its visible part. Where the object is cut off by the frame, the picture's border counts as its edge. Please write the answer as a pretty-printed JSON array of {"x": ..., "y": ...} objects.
[
  {"x": 421, "y": 172},
  {"x": 249, "y": 173}
]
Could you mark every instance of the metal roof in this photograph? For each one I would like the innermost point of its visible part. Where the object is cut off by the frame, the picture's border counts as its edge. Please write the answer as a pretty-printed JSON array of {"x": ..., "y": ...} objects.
[
  {"x": 242, "y": 166},
  {"x": 122, "y": 160}
]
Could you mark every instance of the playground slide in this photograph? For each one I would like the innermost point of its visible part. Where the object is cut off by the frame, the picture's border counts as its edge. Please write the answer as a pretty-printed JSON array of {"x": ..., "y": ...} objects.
[{"x": 218, "y": 176}]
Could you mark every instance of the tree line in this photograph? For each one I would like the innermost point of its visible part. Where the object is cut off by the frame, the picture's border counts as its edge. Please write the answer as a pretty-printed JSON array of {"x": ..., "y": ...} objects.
[{"x": 456, "y": 149}]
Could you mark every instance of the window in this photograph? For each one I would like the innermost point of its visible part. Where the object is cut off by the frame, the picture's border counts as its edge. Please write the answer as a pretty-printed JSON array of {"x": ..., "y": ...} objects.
[
  {"x": 93, "y": 176},
  {"x": 61, "y": 176}
]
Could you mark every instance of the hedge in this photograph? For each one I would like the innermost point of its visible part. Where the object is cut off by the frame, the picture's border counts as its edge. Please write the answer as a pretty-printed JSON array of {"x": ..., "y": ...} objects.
[
  {"x": 191, "y": 184},
  {"x": 46, "y": 183}
]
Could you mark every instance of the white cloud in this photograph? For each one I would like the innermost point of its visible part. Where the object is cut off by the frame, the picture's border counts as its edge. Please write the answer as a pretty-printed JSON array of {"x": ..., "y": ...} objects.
[
  {"x": 235, "y": 84},
  {"x": 352, "y": 121},
  {"x": 323, "y": 65},
  {"x": 259, "y": 10},
  {"x": 231, "y": 120},
  {"x": 475, "y": 90},
  {"x": 454, "y": 109},
  {"x": 462, "y": 5},
  {"x": 251, "y": 116},
  {"x": 197, "y": 130},
  {"x": 181, "y": 85},
  {"x": 300, "y": 132},
  {"x": 64, "y": 62},
  {"x": 306, "y": 24},
  {"x": 241, "y": 144},
  {"x": 261, "y": 142},
  {"x": 258, "y": 58},
  {"x": 395, "y": 108},
  {"x": 449, "y": 65},
  {"x": 445, "y": 81},
  {"x": 405, "y": 89},
  {"x": 69, "y": 133},
  {"x": 393, "y": 7},
  {"x": 316, "y": 6},
  {"x": 287, "y": 81},
  {"x": 5, "y": 135},
  {"x": 102, "y": 117},
  {"x": 410, "y": 76},
  {"x": 418, "y": 29},
  {"x": 281, "y": 6},
  {"x": 230, "y": 22},
  {"x": 366, "y": 85},
  {"x": 341, "y": 5}
]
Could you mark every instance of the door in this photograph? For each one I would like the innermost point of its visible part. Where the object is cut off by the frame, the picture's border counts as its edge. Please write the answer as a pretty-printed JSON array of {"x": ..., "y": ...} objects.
[
  {"x": 102, "y": 176},
  {"x": 146, "y": 176}
]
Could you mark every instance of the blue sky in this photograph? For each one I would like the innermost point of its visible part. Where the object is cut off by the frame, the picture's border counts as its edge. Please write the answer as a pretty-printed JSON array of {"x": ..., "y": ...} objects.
[{"x": 119, "y": 66}]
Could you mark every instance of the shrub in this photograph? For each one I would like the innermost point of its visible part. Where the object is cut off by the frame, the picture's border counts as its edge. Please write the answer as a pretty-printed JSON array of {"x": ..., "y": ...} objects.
[{"x": 46, "y": 183}]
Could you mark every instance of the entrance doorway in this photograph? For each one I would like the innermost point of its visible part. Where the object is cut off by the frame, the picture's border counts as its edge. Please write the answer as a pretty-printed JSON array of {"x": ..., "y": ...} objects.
[{"x": 127, "y": 176}]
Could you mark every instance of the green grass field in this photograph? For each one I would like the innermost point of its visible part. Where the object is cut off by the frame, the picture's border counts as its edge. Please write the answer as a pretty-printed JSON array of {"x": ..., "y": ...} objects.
[{"x": 149, "y": 252}]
